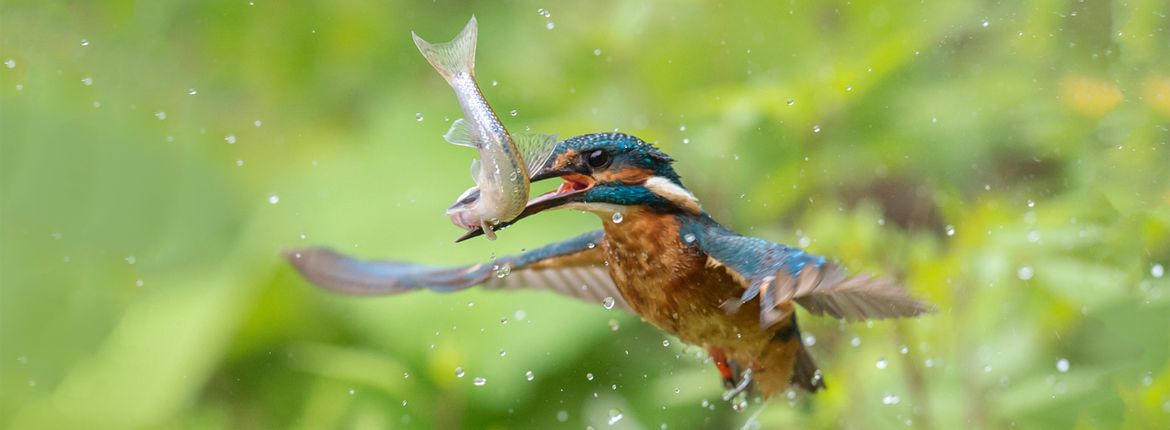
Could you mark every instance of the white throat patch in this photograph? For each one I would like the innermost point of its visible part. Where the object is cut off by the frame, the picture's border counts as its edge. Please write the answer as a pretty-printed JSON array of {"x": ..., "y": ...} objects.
[{"x": 676, "y": 194}]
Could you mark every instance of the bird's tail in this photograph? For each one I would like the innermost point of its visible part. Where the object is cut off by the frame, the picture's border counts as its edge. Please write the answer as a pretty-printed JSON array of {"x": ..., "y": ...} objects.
[
  {"x": 454, "y": 57},
  {"x": 786, "y": 362}
]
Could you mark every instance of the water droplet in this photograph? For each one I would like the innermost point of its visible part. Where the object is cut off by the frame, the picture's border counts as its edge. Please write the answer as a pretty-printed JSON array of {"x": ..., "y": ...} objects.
[
  {"x": 139, "y": 283},
  {"x": 613, "y": 325},
  {"x": 856, "y": 341},
  {"x": 816, "y": 129},
  {"x": 10, "y": 63},
  {"x": 239, "y": 163},
  {"x": 495, "y": 82},
  {"x": 1031, "y": 203},
  {"x": 130, "y": 259},
  {"x": 1157, "y": 270},
  {"x": 543, "y": 12},
  {"x": 608, "y": 302},
  {"x": 950, "y": 229},
  {"x": 230, "y": 139},
  {"x": 87, "y": 80},
  {"x": 529, "y": 375},
  {"x": 503, "y": 353},
  {"x": 686, "y": 141},
  {"x": 591, "y": 245},
  {"x": 597, "y": 52},
  {"x": 682, "y": 128},
  {"x": 84, "y": 42},
  {"x": 810, "y": 340},
  {"x": 459, "y": 372},
  {"x": 418, "y": 116},
  {"x": 904, "y": 350},
  {"x": 986, "y": 23},
  {"x": 1033, "y": 236},
  {"x": 503, "y": 271},
  {"x": 791, "y": 102},
  {"x": 192, "y": 91},
  {"x": 1025, "y": 273},
  {"x": 1062, "y": 365},
  {"x": 479, "y": 381},
  {"x": 514, "y": 112},
  {"x": 617, "y": 217},
  {"x": 352, "y": 391},
  {"x": 666, "y": 342},
  {"x": 890, "y": 399},
  {"x": 273, "y": 199},
  {"x": 987, "y": 369},
  {"x": 549, "y": 25},
  {"x": 257, "y": 123},
  {"x": 160, "y": 115},
  {"x": 881, "y": 363},
  {"x": 589, "y": 376},
  {"x": 849, "y": 88},
  {"x": 562, "y": 415},
  {"x": 615, "y": 415},
  {"x": 689, "y": 238}
]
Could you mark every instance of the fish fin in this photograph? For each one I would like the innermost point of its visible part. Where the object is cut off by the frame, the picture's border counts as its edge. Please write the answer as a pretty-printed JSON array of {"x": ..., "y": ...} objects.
[
  {"x": 474, "y": 173},
  {"x": 466, "y": 199},
  {"x": 459, "y": 134},
  {"x": 454, "y": 57},
  {"x": 535, "y": 148},
  {"x": 487, "y": 230}
]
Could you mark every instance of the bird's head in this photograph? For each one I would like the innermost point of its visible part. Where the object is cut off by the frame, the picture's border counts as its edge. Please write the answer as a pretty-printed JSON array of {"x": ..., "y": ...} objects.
[{"x": 608, "y": 172}]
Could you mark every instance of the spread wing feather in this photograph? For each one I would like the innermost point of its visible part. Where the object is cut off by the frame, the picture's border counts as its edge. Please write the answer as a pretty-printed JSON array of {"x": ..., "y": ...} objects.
[
  {"x": 779, "y": 274},
  {"x": 572, "y": 268}
]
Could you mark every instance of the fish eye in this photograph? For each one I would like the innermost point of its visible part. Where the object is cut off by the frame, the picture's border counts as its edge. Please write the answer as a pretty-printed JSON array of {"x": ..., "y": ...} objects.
[{"x": 598, "y": 159}]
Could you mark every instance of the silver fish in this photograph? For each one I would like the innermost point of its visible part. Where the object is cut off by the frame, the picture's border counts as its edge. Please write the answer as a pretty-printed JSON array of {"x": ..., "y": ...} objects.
[{"x": 501, "y": 173}]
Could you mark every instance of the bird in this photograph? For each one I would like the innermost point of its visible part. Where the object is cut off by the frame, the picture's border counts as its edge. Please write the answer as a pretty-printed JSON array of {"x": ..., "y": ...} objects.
[{"x": 660, "y": 256}]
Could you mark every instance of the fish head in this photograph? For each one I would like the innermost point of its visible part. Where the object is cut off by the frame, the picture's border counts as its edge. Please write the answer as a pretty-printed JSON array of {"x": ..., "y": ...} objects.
[{"x": 605, "y": 173}]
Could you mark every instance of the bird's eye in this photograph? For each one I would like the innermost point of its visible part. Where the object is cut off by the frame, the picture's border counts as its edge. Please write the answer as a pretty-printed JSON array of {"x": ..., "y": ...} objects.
[{"x": 598, "y": 159}]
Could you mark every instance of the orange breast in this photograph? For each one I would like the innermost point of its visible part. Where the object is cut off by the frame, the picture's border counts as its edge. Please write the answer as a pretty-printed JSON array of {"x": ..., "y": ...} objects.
[{"x": 669, "y": 284}]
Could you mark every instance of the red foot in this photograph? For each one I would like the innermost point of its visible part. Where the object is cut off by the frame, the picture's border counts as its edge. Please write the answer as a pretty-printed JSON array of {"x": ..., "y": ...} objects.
[{"x": 725, "y": 371}]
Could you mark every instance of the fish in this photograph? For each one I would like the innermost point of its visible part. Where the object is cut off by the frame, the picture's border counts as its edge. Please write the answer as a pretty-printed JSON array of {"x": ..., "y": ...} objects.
[{"x": 501, "y": 173}]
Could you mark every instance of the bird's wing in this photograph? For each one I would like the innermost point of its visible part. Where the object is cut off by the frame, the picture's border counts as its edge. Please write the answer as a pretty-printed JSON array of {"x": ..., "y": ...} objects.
[
  {"x": 778, "y": 274},
  {"x": 574, "y": 267}
]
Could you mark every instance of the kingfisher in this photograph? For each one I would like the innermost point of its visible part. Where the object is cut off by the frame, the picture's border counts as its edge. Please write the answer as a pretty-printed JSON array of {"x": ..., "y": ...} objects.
[{"x": 660, "y": 256}]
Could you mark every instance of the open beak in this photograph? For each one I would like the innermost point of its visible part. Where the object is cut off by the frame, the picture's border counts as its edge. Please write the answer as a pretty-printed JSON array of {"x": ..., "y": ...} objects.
[{"x": 571, "y": 191}]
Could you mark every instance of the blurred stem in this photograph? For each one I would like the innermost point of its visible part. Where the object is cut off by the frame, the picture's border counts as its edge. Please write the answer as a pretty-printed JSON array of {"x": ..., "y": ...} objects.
[
  {"x": 969, "y": 370},
  {"x": 915, "y": 380}
]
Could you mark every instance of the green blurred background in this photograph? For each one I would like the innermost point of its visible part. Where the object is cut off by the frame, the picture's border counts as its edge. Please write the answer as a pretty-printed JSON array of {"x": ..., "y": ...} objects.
[{"x": 1008, "y": 160}]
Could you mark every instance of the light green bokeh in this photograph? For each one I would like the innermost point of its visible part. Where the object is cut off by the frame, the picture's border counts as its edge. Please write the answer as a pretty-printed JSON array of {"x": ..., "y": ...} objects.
[{"x": 141, "y": 283}]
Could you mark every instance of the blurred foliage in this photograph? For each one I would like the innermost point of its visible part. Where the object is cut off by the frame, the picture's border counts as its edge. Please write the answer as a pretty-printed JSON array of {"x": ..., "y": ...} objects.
[{"x": 1008, "y": 160}]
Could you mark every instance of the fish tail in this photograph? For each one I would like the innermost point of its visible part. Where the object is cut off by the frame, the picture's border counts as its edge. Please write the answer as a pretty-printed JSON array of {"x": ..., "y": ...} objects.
[{"x": 454, "y": 57}]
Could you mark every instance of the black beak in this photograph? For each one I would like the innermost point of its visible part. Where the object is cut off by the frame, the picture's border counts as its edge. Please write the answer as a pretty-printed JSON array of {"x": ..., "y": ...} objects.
[{"x": 550, "y": 200}]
